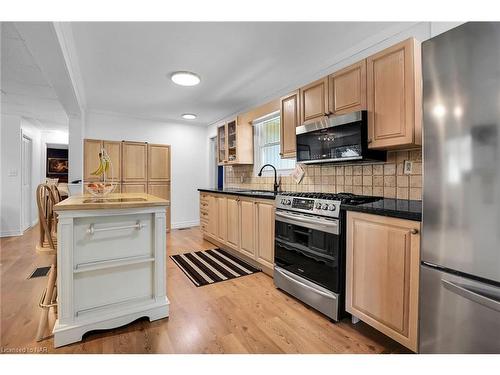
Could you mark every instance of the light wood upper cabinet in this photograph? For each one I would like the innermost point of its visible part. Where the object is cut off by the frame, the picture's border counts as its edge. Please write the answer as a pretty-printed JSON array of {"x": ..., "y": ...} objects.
[
  {"x": 222, "y": 218},
  {"x": 235, "y": 143},
  {"x": 135, "y": 161},
  {"x": 314, "y": 101},
  {"x": 247, "y": 231},
  {"x": 91, "y": 150},
  {"x": 114, "y": 150},
  {"x": 348, "y": 89},
  {"x": 289, "y": 120},
  {"x": 382, "y": 274},
  {"x": 265, "y": 234},
  {"x": 394, "y": 93},
  {"x": 212, "y": 215},
  {"x": 222, "y": 144},
  {"x": 158, "y": 162},
  {"x": 233, "y": 222}
]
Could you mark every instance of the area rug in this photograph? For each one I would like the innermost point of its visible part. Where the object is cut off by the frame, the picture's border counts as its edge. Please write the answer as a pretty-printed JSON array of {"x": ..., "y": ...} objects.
[{"x": 212, "y": 266}]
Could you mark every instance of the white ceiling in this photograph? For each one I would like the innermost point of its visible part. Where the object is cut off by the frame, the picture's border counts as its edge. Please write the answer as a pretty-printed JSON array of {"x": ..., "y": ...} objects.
[
  {"x": 25, "y": 91},
  {"x": 125, "y": 65}
]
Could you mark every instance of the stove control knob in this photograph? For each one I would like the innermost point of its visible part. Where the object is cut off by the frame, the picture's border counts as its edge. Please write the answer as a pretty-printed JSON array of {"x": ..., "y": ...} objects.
[
  {"x": 324, "y": 206},
  {"x": 318, "y": 206},
  {"x": 332, "y": 207},
  {"x": 288, "y": 202}
]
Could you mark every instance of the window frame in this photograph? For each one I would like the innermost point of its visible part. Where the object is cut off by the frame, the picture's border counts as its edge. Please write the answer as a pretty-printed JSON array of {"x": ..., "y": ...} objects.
[{"x": 259, "y": 146}]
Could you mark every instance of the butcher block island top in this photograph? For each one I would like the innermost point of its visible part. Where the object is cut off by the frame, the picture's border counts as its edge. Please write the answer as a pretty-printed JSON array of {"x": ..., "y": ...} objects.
[{"x": 111, "y": 201}]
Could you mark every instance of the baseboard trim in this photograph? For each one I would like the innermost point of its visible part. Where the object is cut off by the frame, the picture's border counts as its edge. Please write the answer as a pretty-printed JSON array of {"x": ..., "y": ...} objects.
[
  {"x": 185, "y": 224},
  {"x": 11, "y": 233}
]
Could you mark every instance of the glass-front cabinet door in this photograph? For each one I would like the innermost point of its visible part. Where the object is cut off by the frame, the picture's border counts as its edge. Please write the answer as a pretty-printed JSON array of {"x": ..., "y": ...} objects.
[
  {"x": 221, "y": 144},
  {"x": 231, "y": 141}
]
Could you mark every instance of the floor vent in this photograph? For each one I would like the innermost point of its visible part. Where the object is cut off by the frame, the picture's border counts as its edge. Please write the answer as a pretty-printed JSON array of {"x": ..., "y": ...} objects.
[{"x": 39, "y": 272}]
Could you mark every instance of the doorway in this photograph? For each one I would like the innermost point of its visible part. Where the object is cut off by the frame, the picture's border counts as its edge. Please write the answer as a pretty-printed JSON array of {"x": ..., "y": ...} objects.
[
  {"x": 216, "y": 171},
  {"x": 26, "y": 199}
]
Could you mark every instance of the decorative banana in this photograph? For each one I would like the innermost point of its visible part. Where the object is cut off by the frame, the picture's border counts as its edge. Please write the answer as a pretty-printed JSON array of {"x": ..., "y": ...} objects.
[{"x": 104, "y": 162}]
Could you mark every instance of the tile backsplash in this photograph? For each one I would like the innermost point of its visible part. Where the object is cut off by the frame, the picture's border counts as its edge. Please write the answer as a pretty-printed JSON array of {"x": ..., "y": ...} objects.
[{"x": 380, "y": 179}]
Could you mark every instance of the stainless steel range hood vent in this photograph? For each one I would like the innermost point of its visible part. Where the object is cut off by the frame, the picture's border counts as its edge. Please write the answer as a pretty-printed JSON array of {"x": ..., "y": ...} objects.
[{"x": 330, "y": 121}]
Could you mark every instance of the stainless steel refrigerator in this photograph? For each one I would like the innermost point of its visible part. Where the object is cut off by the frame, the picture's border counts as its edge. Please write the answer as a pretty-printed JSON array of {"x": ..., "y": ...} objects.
[{"x": 460, "y": 268}]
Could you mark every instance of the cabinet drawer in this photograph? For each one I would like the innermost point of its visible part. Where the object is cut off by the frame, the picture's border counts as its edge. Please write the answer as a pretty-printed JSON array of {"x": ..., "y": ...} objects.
[
  {"x": 113, "y": 243},
  {"x": 111, "y": 288}
]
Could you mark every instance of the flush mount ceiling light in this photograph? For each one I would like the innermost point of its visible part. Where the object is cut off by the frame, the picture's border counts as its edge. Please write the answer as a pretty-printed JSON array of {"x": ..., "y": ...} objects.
[
  {"x": 188, "y": 116},
  {"x": 185, "y": 78}
]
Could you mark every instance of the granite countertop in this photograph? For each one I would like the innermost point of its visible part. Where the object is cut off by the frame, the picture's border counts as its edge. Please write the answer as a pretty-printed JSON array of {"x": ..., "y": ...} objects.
[
  {"x": 263, "y": 194},
  {"x": 400, "y": 208},
  {"x": 111, "y": 201}
]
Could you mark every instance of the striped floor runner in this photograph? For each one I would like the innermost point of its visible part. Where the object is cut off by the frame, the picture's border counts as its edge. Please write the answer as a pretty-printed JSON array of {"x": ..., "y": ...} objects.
[{"x": 212, "y": 266}]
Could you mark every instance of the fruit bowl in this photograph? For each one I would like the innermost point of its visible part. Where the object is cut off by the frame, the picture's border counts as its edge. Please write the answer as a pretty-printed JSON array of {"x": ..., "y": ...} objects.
[{"x": 100, "y": 189}]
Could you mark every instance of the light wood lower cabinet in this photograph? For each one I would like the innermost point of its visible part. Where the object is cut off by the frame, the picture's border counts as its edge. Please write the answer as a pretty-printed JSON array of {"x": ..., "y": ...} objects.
[
  {"x": 247, "y": 227},
  {"x": 382, "y": 274},
  {"x": 212, "y": 216},
  {"x": 242, "y": 224},
  {"x": 233, "y": 222},
  {"x": 265, "y": 233},
  {"x": 222, "y": 218}
]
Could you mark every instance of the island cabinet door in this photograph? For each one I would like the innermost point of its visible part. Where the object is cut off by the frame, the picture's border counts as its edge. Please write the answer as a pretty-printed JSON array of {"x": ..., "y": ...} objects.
[
  {"x": 382, "y": 273},
  {"x": 212, "y": 216},
  {"x": 91, "y": 150},
  {"x": 233, "y": 222},
  {"x": 114, "y": 150},
  {"x": 222, "y": 219},
  {"x": 134, "y": 161},
  {"x": 265, "y": 234},
  {"x": 247, "y": 227}
]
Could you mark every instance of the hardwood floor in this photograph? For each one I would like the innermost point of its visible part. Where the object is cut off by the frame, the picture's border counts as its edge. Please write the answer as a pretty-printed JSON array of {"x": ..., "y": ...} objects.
[{"x": 244, "y": 315}]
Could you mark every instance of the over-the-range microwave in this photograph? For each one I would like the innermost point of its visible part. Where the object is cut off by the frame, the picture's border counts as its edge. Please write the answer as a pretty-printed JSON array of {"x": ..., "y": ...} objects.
[{"x": 336, "y": 139}]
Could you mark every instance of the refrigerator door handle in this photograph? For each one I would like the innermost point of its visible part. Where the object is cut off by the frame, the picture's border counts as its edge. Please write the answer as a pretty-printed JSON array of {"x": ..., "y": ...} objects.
[{"x": 471, "y": 295}]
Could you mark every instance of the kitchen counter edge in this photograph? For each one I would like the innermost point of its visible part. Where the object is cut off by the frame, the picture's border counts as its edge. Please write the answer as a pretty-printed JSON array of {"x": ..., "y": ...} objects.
[
  {"x": 240, "y": 193},
  {"x": 398, "y": 208}
]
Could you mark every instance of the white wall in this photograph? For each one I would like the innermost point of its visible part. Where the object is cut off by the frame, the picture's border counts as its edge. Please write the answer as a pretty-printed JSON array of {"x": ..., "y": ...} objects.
[
  {"x": 37, "y": 164},
  {"x": 189, "y": 162},
  {"x": 10, "y": 195},
  {"x": 75, "y": 157}
]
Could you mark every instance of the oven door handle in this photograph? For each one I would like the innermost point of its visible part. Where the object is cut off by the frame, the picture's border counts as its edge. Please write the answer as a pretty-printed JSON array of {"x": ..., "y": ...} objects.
[
  {"x": 319, "y": 224},
  {"x": 294, "y": 280}
]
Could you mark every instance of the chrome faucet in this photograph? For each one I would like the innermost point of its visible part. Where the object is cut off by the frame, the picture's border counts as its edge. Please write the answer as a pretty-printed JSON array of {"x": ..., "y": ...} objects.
[{"x": 276, "y": 185}]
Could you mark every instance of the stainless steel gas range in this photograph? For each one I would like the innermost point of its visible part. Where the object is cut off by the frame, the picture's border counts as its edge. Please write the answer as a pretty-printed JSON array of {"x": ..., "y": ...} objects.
[{"x": 310, "y": 248}]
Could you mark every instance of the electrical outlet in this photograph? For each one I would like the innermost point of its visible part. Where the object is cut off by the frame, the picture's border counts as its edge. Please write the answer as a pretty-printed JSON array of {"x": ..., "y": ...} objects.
[{"x": 407, "y": 167}]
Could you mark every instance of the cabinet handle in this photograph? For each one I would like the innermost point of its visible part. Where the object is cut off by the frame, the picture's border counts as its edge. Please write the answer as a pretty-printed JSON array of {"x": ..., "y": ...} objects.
[
  {"x": 369, "y": 140},
  {"x": 414, "y": 231}
]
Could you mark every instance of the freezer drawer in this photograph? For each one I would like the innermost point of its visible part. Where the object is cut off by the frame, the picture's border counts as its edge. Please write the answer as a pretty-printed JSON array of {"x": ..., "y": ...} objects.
[{"x": 457, "y": 315}]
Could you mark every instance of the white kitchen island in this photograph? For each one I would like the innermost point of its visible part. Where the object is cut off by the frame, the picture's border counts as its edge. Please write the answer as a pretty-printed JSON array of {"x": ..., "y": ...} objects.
[{"x": 111, "y": 263}]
